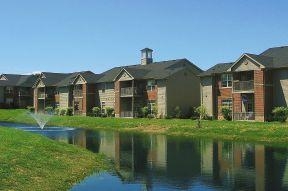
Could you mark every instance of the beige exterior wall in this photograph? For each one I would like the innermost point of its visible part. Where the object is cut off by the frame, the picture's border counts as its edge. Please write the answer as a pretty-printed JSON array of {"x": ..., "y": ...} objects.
[
  {"x": 124, "y": 76},
  {"x": 207, "y": 94},
  {"x": 106, "y": 94},
  {"x": 245, "y": 64},
  {"x": 280, "y": 87},
  {"x": 161, "y": 98},
  {"x": 183, "y": 90},
  {"x": 63, "y": 97},
  {"x": 1, "y": 94}
]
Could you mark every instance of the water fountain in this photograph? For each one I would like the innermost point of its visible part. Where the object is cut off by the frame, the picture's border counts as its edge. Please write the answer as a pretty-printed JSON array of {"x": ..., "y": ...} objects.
[{"x": 41, "y": 118}]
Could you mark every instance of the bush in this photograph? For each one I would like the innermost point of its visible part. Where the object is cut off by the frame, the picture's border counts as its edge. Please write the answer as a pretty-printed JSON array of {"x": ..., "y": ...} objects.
[
  {"x": 155, "y": 110},
  {"x": 69, "y": 111},
  {"x": 31, "y": 109},
  {"x": 62, "y": 111},
  {"x": 144, "y": 111},
  {"x": 57, "y": 111},
  {"x": 49, "y": 110},
  {"x": 227, "y": 113},
  {"x": 280, "y": 114},
  {"x": 177, "y": 112},
  {"x": 202, "y": 112},
  {"x": 150, "y": 116},
  {"x": 96, "y": 111},
  {"x": 109, "y": 111}
]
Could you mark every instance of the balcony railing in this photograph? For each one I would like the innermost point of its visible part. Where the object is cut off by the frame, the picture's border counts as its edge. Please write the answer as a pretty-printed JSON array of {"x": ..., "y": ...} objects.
[
  {"x": 77, "y": 93},
  {"x": 239, "y": 86},
  {"x": 126, "y": 114},
  {"x": 126, "y": 92},
  {"x": 244, "y": 116},
  {"x": 42, "y": 95}
]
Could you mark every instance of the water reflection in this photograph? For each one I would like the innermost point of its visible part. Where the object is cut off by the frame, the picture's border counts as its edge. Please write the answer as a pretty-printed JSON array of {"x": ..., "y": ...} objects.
[{"x": 160, "y": 162}]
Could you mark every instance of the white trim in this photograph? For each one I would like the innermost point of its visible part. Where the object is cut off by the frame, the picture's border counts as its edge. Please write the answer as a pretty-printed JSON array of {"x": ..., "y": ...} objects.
[
  {"x": 79, "y": 75},
  {"x": 123, "y": 69},
  {"x": 243, "y": 55},
  {"x": 3, "y": 76}
]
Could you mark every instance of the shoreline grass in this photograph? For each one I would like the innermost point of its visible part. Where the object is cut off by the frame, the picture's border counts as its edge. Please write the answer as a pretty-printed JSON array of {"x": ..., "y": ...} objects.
[
  {"x": 32, "y": 162},
  {"x": 260, "y": 132}
]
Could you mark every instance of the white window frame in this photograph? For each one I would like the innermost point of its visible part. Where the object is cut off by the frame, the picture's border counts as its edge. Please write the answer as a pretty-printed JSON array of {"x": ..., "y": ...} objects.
[{"x": 225, "y": 79}]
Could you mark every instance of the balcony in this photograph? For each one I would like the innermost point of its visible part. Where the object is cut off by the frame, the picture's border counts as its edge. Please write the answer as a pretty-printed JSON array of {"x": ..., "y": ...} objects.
[
  {"x": 130, "y": 91},
  {"x": 243, "y": 86},
  {"x": 244, "y": 116},
  {"x": 77, "y": 93},
  {"x": 128, "y": 114},
  {"x": 42, "y": 95}
]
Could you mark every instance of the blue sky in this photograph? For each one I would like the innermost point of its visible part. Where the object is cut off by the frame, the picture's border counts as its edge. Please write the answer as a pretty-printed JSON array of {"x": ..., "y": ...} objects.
[{"x": 96, "y": 35}]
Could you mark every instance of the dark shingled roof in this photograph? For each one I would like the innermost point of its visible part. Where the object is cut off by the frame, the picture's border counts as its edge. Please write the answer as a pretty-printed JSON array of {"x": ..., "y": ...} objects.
[
  {"x": 52, "y": 79},
  {"x": 156, "y": 70},
  {"x": 89, "y": 77},
  {"x": 279, "y": 55},
  {"x": 18, "y": 80},
  {"x": 217, "y": 69}
]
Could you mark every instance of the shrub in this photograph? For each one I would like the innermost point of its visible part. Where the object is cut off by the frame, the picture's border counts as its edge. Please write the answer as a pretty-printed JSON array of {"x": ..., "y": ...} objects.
[
  {"x": 96, "y": 111},
  {"x": 202, "y": 112},
  {"x": 31, "y": 109},
  {"x": 49, "y": 110},
  {"x": 69, "y": 111},
  {"x": 109, "y": 111},
  {"x": 177, "y": 112},
  {"x": 57, "y": 111},
  {"x": 280, "y": 114},
  {"x": 155, "y": 110},
  {"x": 144, "y": 111},
  {"x": 62, "y": 111},
  {"x": 227, "y": 113},
  {"x": 150, "y": 116}
]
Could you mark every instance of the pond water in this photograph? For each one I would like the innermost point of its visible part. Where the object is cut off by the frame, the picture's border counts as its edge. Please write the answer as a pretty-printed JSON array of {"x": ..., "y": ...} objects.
[{"x": 158, "y": 162}]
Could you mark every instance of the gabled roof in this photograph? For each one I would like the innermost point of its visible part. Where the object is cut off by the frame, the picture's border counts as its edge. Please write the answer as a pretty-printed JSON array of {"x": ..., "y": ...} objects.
[
  {"x": 156, "y": 70},
  {"x": 89, "y": 77},
  {"x": 18, "y": 80},
  {"x": 217, "y": 69}
]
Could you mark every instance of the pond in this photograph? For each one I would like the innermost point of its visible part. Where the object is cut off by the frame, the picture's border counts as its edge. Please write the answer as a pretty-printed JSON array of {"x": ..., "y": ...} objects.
[{"x": 158, "y": 162}]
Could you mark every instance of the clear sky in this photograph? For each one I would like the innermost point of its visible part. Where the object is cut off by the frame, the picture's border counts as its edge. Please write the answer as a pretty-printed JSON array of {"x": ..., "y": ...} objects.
[{"x": 96, "y": 35}]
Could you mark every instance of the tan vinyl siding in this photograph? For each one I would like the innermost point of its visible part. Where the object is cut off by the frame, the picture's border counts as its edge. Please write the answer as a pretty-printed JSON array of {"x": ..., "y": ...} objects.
[
  {"x": 107, "y": 95},
  {"x": 280, "y": 87},
  {"x": 183, "y": 90},
  {"x": 246, "y": 64},
  {"x": 207, "y": 94},
  {"x": 63, "y": 97},
  {"x": 161, "y": 101}
]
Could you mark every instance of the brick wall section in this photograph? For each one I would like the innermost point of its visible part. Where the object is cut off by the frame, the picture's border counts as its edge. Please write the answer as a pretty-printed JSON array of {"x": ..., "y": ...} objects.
[
  {"x": 91, "y": 97},
  {"x": 268, "y": 94},
  {"x": 221, "y": 93},
  {"x": 117, "y": 99},
  {"x": 259, "y": 95},
  {"x": 84, "y": 92},
  {"x": 237, "y": 103},
  {"x": 152, "y": 95},
  {"x": 35, "y": 99}
]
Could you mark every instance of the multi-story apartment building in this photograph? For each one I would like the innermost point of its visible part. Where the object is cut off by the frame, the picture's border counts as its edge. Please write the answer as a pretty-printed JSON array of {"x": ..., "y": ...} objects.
[
  {"x": 251, "y": 86},
  {"x": 166, "y": 84},
  {"x": 63, "y": 90},
  {"x": 16, "y": 90}
]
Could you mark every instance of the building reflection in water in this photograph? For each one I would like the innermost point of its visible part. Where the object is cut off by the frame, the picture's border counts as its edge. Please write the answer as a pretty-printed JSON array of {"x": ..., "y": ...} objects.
[{"x": 160, "y": 161}]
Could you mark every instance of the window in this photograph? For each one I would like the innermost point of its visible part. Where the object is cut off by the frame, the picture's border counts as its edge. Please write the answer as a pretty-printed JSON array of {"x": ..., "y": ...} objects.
[
  {"x": 103, "y": 105},
  {"x": 226, "y": 80},
  {"x": 151, "y": 85},
  {"x": 9, "y": 90},
  {"x": 227, "y": 103},
  {"x": 151, "y": 106}
]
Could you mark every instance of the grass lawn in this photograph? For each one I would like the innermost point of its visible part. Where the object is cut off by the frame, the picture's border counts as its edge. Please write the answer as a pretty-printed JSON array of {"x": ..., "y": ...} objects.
[
  {"x": 32, "y": 162},
  {"x": 263, "y": 132}
]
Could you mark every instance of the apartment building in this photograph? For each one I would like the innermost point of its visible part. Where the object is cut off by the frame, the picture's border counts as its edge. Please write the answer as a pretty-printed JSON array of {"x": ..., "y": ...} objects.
[
  {"x": 251, "y": 86},
  {"x": 16, "y": 90}
]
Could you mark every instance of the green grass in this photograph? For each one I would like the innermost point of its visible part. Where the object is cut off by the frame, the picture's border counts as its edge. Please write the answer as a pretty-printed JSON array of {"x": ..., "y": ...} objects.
[
  {"x": 263, "y": 132},
  {"x": 33, "y": 162}
]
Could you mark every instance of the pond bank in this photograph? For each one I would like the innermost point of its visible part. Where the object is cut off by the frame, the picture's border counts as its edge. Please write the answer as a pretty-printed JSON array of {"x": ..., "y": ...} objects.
[
  {"x": 32, "y": 162},
  {"x": 262, "y": 132}
]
